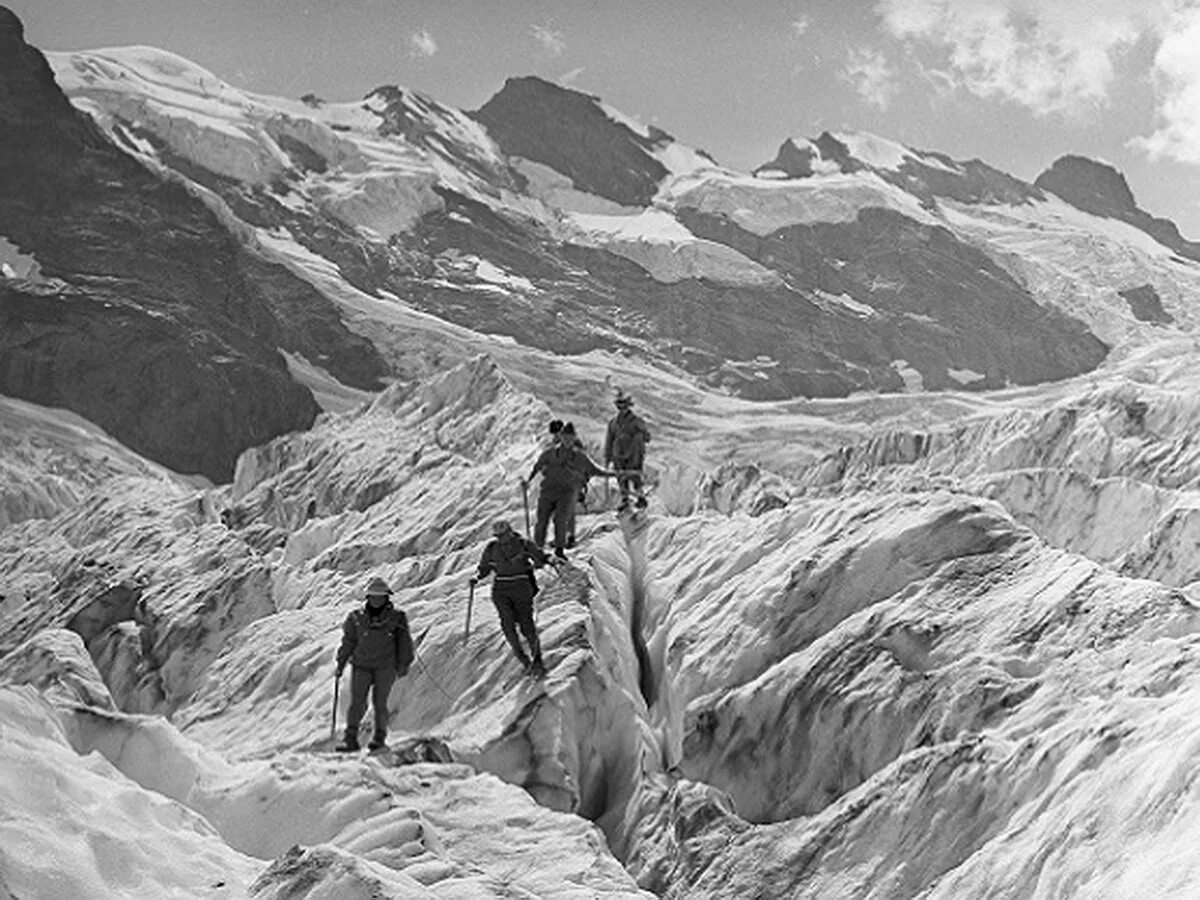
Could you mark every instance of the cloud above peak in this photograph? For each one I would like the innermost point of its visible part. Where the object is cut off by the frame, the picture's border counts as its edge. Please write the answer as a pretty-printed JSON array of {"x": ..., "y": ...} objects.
[
  {"x": 1051, "y": 56},
  {"x": 421, "y": 44},
  {"x": 872, "y": 77},
  {"x": 552, "y": 41},
  {"x": 1177, "y": 85},
  {"x": 1061, "y": 57}
]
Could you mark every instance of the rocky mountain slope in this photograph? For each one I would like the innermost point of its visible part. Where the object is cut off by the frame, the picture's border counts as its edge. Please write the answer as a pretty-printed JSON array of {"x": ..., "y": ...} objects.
[
  {"x": 307, "y": 227},
  {"x": 150, "y": 318},
  {"x": 551, "y": 218}
]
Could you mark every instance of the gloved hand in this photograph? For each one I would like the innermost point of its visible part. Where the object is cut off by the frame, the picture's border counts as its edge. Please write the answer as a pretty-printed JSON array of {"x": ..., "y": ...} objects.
[
  {"x": 341, "y": 667},
  {"x": 473, "y": 581}
]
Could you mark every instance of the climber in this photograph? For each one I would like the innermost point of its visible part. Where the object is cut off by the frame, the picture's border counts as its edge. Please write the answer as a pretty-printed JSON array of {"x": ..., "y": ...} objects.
[
  {"x": 513, "y": 558},
  {"x": 625, "y": 449},
  {"x": 377, "y": 643},
  {"x": 563, "y": 468},
  {"x": 583, "y": 471}
]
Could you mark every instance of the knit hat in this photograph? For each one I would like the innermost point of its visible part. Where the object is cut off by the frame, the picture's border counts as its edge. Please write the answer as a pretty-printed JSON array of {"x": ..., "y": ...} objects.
[
  {"x": 623, "y": 400},
  {"x": 500, "y": 527},
  {"x": 378, "y": 588}
]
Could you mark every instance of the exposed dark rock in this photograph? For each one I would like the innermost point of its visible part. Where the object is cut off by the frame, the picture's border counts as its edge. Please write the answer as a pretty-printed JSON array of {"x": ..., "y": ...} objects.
[
  {"x": 1101, "y": 190},
  {"x": 792, "y": 161},
  {"x": 837, "y": 152},
  {"x": 937, "y": 303},
  {"x": 420, "y": 120},
  {"x": 1090, "y": 185},
  {"x": 303, "y": 157},
  {"x": 571, "y": 133},
  {"x": 1146, "y": 305},
  {"x": 155, "y": 332},
  {"x": 970, "y": 181}
]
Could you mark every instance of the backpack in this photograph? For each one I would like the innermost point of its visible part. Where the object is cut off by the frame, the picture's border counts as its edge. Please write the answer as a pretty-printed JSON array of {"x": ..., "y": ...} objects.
[{"x": 512, "y": 558}]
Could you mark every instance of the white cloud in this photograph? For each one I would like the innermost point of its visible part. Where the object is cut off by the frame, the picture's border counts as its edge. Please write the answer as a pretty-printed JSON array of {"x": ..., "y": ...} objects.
[
  {"x": 567, "y": 79},
  {"x": 1177, "y": 82},
  {"x": 553, "y": 42},
  {"x": 868, "y": 72},
  {"x": 1052, "y": 56},
  {"x": 421, "y": 43}
]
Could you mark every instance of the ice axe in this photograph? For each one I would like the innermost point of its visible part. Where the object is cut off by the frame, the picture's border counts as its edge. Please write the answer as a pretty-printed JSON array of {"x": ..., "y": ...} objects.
[
  {"x": 337, "y": 683},
  {"x": 525, "y": 497},
  {"x": 470, "y": 603}
]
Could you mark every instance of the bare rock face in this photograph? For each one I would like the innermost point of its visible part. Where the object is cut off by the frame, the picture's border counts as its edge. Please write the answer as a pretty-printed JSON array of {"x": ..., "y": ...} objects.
[
  {"x": 149, "y": 325},
  {"x": 1101, "y": 189},
  {"x": 571, "y": 133}
]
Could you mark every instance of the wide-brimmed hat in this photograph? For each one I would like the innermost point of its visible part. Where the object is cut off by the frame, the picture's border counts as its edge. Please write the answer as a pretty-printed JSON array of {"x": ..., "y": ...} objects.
[{"x": 378, "y": 588}]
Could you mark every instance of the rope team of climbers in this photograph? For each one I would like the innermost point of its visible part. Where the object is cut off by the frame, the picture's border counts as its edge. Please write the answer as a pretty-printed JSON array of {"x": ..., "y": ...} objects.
[{"x": 376, "y": 641}]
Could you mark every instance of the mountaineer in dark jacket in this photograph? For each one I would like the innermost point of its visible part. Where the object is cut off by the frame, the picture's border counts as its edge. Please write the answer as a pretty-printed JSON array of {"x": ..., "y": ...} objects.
[
  {"x": 585, "y": 468},
  {"x": 513, "y": 558},
  {"x": 377, "y": 644},
  {"x": 625, "y": 449},
  {"x": 563, "y": 468}
]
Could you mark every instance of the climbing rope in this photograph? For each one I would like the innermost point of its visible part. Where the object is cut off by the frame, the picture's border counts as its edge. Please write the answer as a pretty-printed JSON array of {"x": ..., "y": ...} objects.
[{"x": 425, "y": 669}]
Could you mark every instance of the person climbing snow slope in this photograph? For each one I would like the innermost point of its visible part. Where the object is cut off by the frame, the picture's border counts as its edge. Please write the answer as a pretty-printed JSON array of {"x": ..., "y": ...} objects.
[
  {"x": 625, "y": 450},
  {"x": 513, "y": 558},
  {"x": 377, "y": 644},
  {"x": 583, "y": 472},
  {"x": 562, "y": 467}
]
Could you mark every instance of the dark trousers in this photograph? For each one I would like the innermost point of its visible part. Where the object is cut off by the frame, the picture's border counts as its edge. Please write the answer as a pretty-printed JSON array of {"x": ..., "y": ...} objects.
[
  {"x": 561, "y": 507},
  {"x": 378, "y": 683},
  {"x": 514, "y": 604}
]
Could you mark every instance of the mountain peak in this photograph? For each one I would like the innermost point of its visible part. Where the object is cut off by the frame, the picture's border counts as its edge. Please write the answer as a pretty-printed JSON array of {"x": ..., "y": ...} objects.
[
  {"x": 1100, "y": 189},
  {"x": 1091, "y": 185},
  {"x": 11, "y": 28},
  {"x": 575, "y": 134}
]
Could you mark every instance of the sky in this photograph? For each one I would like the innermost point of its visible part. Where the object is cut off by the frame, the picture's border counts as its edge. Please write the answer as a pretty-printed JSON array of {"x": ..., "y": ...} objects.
[{"x": 1016, "y": 83}]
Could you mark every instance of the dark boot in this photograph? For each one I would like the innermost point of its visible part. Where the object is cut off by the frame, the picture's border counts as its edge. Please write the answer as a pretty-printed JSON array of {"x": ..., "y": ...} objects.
[
  {"x": 378, "y": 741},
  {"x": 349, "y": 743}
]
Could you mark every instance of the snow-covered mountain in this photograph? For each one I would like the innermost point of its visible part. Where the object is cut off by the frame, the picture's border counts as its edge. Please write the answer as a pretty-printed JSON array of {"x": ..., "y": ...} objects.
[
  {"x": 915, "y": 613},
  {"x": 849, "y": 263}
]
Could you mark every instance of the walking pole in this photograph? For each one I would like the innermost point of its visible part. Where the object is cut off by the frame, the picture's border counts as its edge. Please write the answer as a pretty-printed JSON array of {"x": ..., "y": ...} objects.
[
  {"x": 525, "y": 497},
  {"x": 470, "y": 603},
  {"x": 337, "y": 682}
]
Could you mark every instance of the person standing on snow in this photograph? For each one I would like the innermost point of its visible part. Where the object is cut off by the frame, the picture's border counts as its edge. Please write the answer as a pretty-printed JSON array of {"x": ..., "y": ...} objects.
[
  {"x": 584, "y": 470},
  {"x": 377, "y": 644},
  {"x": 625, "y": 449},
  {"x": 562, "y": 468},
  {"x": 513, "y": 558}
]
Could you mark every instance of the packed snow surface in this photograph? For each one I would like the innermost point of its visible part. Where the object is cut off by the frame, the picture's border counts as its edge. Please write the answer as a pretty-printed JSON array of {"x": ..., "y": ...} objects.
[{"x": 981, "y": 627}]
